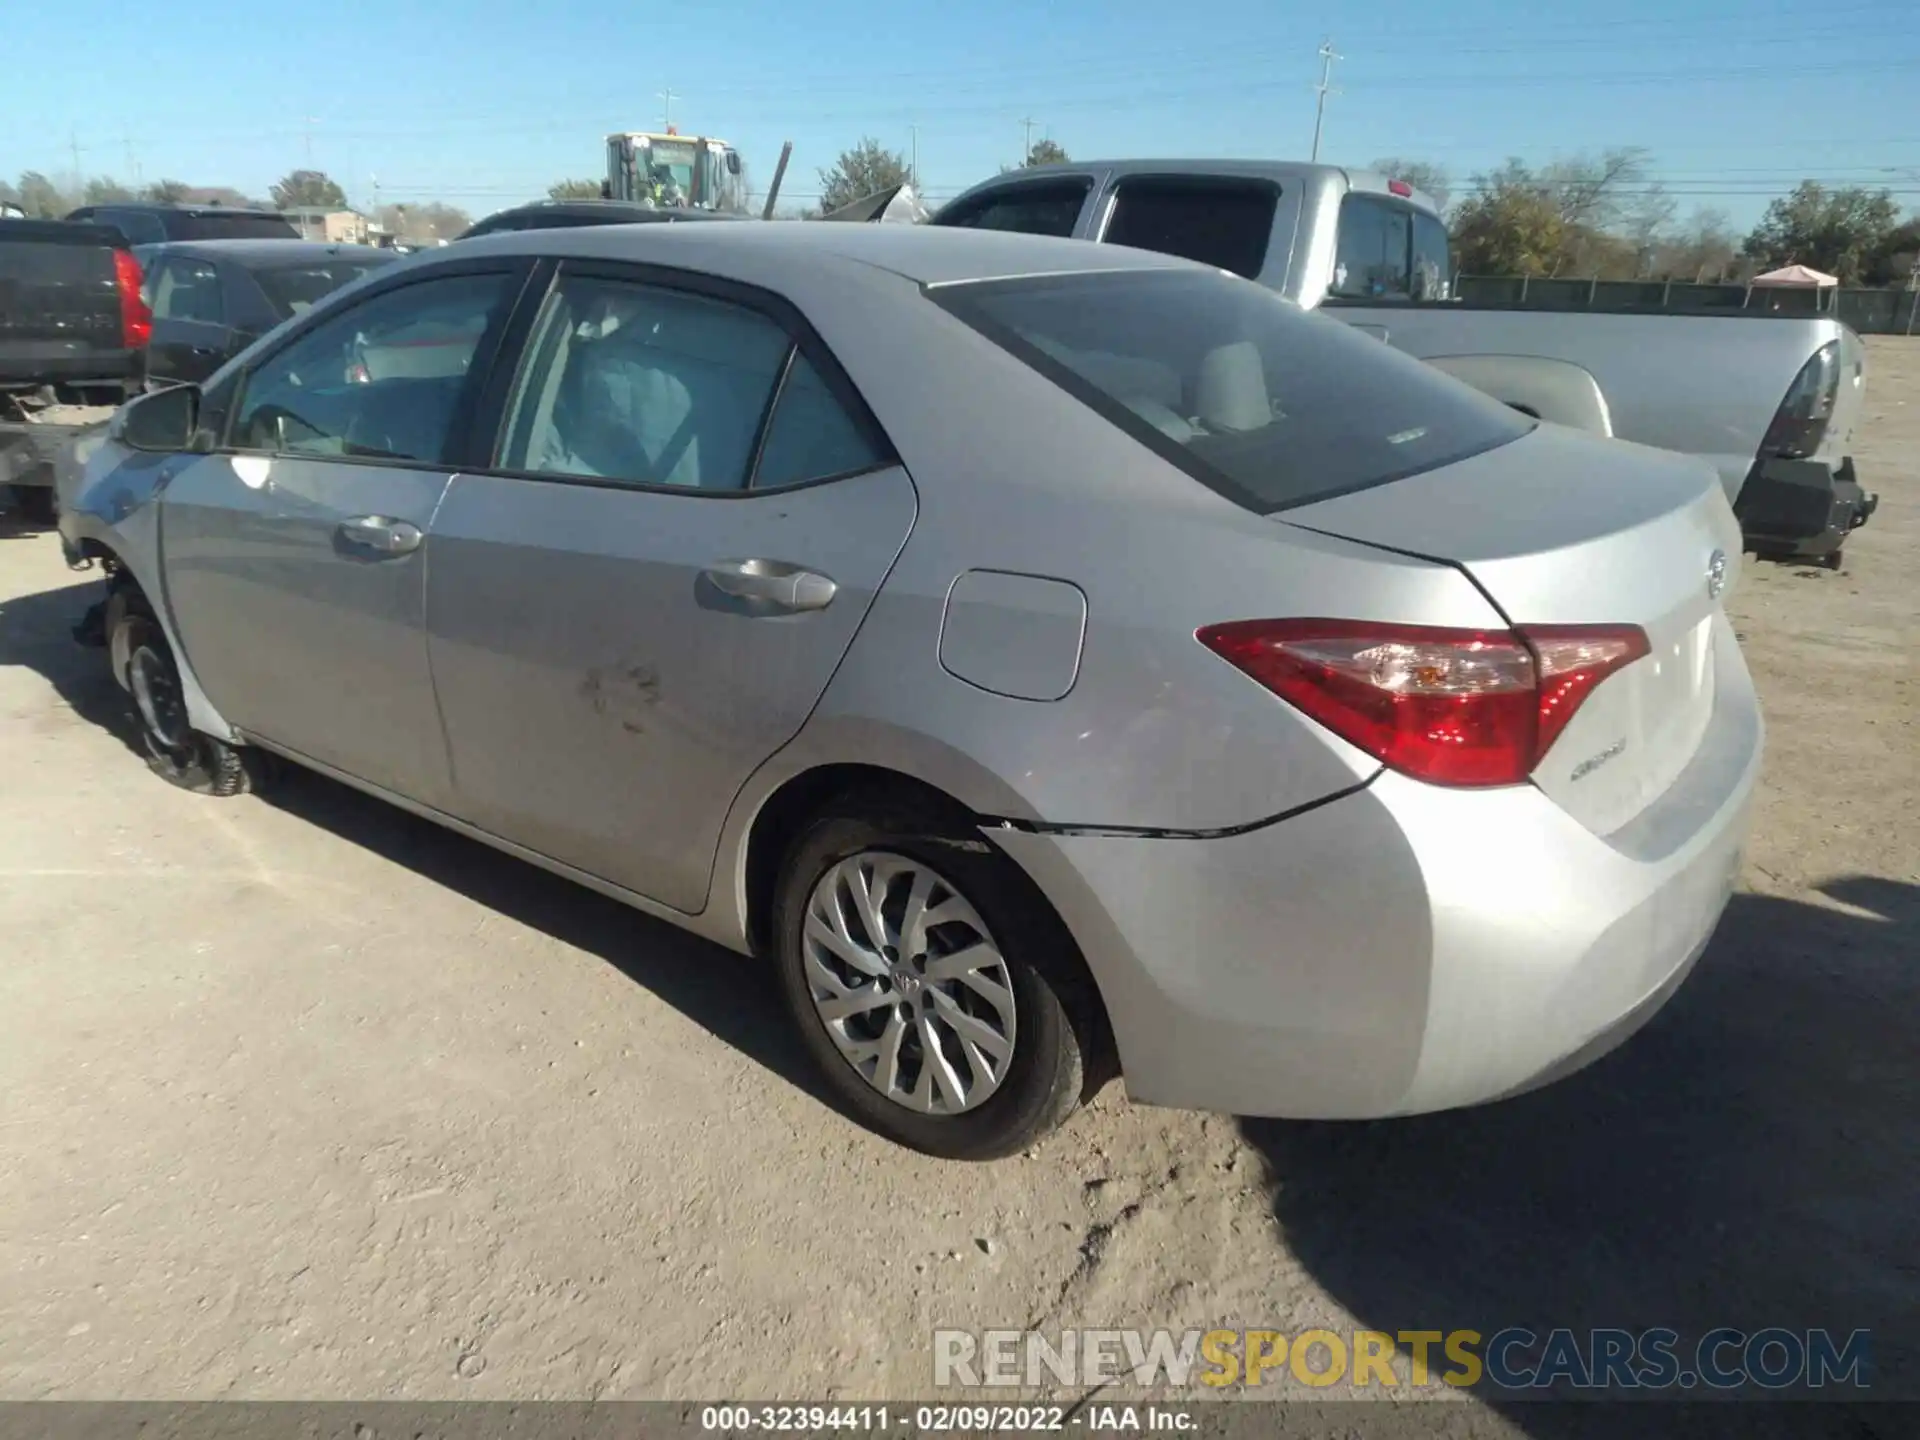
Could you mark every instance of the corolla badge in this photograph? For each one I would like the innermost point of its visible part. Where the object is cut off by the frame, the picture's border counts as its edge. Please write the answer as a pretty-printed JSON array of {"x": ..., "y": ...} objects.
[{"x": 1716, "y": 574}]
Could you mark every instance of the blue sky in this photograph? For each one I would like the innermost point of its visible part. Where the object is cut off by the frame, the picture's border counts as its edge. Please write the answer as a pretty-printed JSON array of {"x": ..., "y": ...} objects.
[{"x": 483, "y": 103}]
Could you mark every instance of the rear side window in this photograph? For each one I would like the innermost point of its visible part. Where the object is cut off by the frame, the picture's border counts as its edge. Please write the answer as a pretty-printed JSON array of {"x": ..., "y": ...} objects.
[
  {"x": 1389, "y": 251},
  {"x": 290, "y": 289},
  {"x": 188, "y": 289},
  {"x": 1033, "y": 207},
  {"x": 1266, "y": 403},
  {"x": 655, "y": 386},
  {"x": 1223, "y": 223},
  {"x": 138, "y": 226}
]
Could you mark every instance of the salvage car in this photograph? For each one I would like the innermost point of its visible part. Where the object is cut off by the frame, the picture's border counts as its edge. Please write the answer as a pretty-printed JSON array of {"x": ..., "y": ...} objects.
[
  {"x": 1049, "y": 659},
  {"x": 213, "y": 298},
  {"x": 1769, "y": 400}
]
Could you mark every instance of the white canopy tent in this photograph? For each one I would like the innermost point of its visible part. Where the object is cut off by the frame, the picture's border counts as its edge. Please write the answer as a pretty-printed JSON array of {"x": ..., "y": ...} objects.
[{"x": 1797, "y": 277}]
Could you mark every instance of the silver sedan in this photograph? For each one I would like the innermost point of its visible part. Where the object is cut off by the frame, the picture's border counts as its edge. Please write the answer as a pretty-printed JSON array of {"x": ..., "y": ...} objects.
[{"x": 1052, "y": 660}]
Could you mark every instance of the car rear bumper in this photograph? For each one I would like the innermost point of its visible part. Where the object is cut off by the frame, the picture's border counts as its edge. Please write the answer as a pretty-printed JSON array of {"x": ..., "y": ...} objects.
[
  {"x": 1403, "y": 948},
  {"x": 1802, "y": 507}
]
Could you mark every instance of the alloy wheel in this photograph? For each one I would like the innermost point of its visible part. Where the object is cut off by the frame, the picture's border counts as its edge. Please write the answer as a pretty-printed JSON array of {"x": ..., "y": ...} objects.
[{"x": 909, "y": 983}]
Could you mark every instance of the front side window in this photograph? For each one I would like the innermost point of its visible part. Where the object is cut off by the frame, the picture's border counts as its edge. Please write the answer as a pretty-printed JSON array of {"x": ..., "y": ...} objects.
[
  {"x": 650, "y": 386},
  {"x": 1033, "y": 207},
  {"x": 1224, "y": 223},
  {"x": 381, "y": 380},
  {"x": 1267, "y": 403},
  {"x": 188, "y": 289}
]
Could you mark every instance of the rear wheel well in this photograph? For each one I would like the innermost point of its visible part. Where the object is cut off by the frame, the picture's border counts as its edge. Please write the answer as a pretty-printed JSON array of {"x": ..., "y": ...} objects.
[
  {"x": 806, "y": 795},
  {"x": 788, "y": 812}
]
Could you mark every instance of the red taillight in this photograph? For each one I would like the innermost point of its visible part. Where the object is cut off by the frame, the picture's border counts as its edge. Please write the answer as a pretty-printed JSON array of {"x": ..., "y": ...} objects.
[
  {"x": 1454, "y": 707},
  {"x": 136, "y": 320}
]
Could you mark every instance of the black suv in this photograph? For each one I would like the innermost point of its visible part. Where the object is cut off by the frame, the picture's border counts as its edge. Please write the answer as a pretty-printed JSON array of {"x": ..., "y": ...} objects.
[{"x": 153, "y": 224}]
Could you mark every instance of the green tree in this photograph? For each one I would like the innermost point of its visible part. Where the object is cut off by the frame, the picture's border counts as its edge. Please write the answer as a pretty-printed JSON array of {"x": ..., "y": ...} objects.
[
  {"x": 574, "y": 190},
  {"x": 1840, "y": 231},
  {"x": 1510, "y": 225},
  {"x": 40, "y": 197},
  {"x": 1898, "y": 260},
  {"x": 308, "y": 187},
  {"x": 1423, "y": 175},
  {"x": 1045, "y": 152},
  {"x": 865, "y": 170},
  {"x": 167, "y": 192}
]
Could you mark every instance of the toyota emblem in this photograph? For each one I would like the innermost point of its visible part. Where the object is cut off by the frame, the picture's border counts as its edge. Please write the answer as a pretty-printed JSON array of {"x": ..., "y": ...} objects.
[{"x": 1716, "y": 574}]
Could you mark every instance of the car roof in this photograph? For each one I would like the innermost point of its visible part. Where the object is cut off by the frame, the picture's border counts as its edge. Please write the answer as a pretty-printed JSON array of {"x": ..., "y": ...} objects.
[
  {"x": 259, "y": 253},
  {"x": 157, "y": 207},
  {"x": 927, "y": 255}
]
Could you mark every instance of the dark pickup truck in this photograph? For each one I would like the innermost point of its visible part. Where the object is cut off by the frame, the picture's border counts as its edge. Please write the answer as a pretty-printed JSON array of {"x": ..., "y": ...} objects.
[{"x": 73, "y": 347}]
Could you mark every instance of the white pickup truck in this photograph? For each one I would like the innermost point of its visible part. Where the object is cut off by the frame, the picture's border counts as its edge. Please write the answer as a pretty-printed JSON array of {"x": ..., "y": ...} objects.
[{"x": 1769, "y": 400}]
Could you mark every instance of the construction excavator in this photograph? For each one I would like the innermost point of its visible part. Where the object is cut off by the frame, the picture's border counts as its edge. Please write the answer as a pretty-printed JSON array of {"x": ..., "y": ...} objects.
[{"x": 701, "y": 172}]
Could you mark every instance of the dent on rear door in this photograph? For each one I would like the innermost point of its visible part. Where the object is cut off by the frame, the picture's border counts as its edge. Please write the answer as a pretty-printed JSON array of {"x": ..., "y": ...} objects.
[{"x": 603, "y": 700}]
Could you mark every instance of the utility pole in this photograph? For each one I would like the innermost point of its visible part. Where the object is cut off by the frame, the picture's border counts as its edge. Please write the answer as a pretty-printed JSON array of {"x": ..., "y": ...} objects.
[
  {"x": 1327, "y": 57},
  {"x": 133, "y": 157},
  {"x": 309, "y": 122},
  {"x": 73, "y": 144},
  {"x": 913, "y": 162},
  {"x": 665, "y": 97},
  {"x": 1026, "y": 145}
]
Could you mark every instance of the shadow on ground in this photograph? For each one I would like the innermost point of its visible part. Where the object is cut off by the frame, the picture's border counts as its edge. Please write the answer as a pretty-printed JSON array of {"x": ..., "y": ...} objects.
[
  {"x": 1751, "y": 1159},
  {"x": 725, "y": 993}
]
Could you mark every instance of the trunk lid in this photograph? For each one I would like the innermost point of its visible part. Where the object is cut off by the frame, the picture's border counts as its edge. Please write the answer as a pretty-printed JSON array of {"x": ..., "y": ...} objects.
[{"x": 1561, "y": 528}]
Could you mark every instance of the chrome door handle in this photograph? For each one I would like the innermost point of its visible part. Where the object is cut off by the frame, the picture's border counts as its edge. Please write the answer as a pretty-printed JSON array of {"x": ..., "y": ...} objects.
[
  {"x": 382, "y": 533},
  {"x": 772, "y": 582}
]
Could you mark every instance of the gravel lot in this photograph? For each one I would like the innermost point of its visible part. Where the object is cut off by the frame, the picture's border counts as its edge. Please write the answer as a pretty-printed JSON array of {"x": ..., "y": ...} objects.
[{"x": 307, "y": 1098}]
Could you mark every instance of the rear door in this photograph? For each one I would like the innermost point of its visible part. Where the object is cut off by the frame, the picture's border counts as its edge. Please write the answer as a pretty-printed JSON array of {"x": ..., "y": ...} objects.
[
  {"x": 189, "y": 319},
  {"x": 1051, "y": 205},
  {"x": 689, "y": 513}
]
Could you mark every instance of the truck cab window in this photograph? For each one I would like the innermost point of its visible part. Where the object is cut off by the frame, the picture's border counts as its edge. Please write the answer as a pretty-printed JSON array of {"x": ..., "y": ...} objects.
[
  {"x": 1224, "y": 223},
  {"x": 1374, "y": 259},
  {"x": 1049, "y": 207}
]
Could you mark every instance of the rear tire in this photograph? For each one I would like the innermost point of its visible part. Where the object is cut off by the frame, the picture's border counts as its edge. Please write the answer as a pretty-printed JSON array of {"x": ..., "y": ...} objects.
[
  {"x": 1013, "y": 1033},
  {"x": 175, "y": 751}
]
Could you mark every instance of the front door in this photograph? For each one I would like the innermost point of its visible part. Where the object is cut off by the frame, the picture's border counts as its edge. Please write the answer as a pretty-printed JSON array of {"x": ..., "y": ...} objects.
[
  {"x": 645, "y": 598},
  {"x": 295, "y": 557}
]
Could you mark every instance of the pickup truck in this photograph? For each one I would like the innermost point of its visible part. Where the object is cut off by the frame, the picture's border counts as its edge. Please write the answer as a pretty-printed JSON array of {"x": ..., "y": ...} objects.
[
  {"x": 1769, "y": 400},
  {"x": 73, "y": 342}
]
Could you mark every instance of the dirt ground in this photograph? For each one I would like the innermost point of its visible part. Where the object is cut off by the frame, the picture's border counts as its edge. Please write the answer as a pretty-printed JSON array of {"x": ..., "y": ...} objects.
[{"x": 308, "y": 1098}]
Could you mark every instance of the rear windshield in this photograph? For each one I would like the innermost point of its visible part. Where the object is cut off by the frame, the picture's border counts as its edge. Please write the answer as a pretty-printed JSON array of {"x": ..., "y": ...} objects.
[
  {"x": 292, "y": 288},
  {"x": 231, "y": 226},
  {"x": 1270, "y": 405}
]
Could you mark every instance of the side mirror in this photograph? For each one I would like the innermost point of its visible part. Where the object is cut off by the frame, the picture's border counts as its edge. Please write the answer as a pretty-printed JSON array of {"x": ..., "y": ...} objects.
[
  {"x": 163, "y": 420},
  {"x": 733, "y": 162}
]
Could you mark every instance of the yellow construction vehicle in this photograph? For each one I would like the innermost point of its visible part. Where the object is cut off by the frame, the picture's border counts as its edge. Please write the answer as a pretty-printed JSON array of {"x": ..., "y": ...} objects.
[{"x": 671, "y": 169}]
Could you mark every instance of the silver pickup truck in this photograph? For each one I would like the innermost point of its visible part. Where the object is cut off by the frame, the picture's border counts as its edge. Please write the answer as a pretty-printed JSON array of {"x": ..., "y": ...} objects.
[{"x": 1770, "y": 401}]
